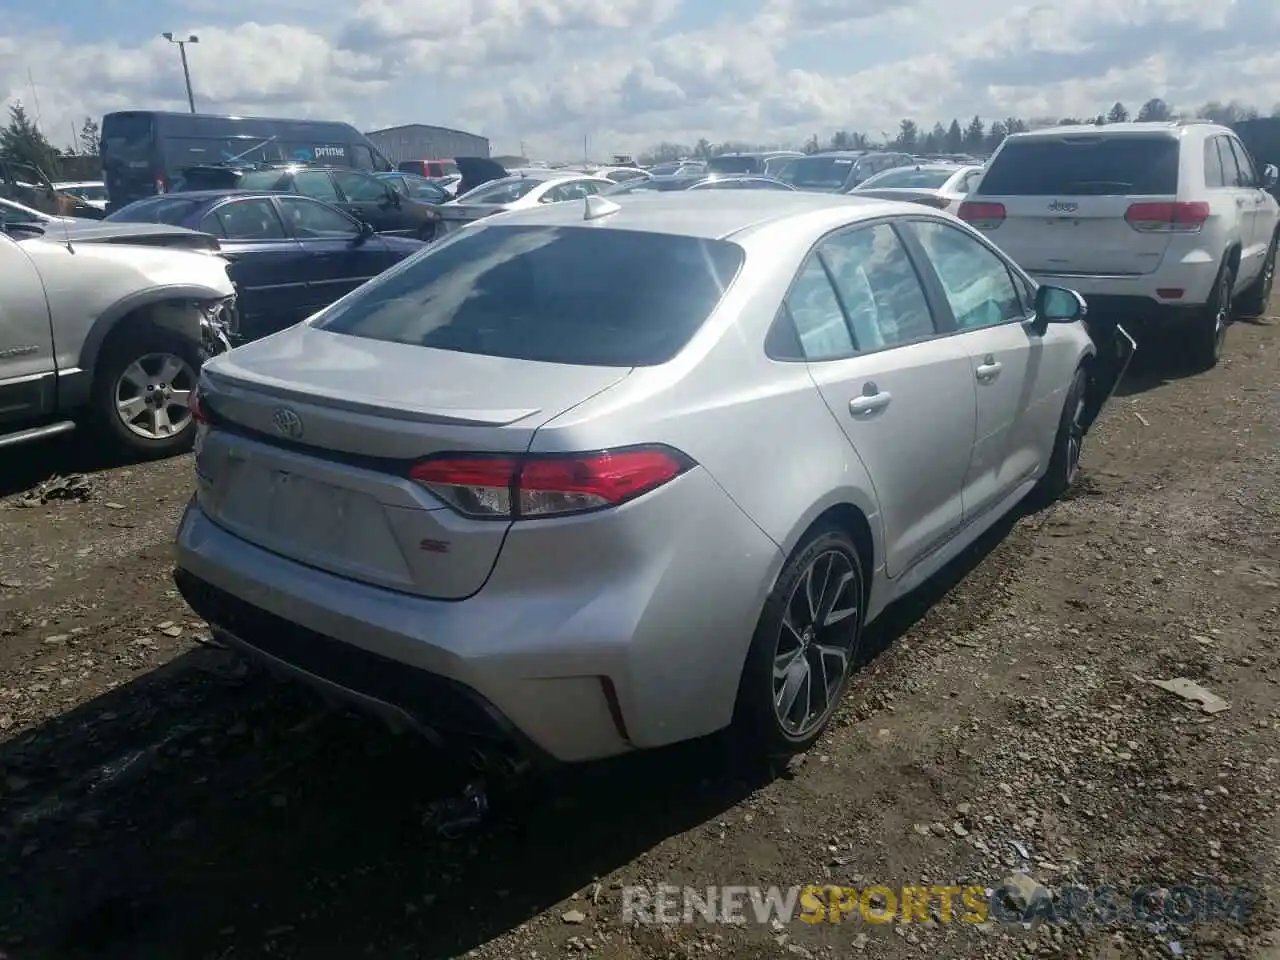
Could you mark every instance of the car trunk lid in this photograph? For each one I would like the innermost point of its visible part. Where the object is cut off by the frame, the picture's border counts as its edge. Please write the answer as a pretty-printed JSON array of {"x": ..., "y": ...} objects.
[{"x": 320, "y": 473}]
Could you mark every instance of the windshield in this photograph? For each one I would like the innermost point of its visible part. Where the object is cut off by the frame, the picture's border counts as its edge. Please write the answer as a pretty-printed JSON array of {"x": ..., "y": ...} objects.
[
  {"x": 521, "y": 292},
  {"x": 161, "y": 209},
  {"x": 734, "y": 165},
  {"x": 1084, "y": 166},
  {"x": 501, "y": 191},
  {"x": 818, "y": 173},
  {"x": 908, "y": 177}
]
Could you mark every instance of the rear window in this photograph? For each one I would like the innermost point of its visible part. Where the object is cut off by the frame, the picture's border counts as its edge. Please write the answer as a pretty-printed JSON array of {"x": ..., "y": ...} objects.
[
  {"x": 572, "y": 295},
  {"x": 818, "y": 173},
  {"x": 734, "y": 165},
  {"x": 502, "y": 191},
  {"x": 654, "y": 185},
  {"x": 1086, "y": 166},
  {"x": 908, "y": 178},
  {"x": 171, "y": 210},
  {"x": 261, "y": 180},
  {"x": 126, "y": 135}
]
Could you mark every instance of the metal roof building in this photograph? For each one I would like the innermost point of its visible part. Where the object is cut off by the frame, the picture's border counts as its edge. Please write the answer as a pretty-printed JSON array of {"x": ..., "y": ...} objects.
[{"x": 419, "y": 141}]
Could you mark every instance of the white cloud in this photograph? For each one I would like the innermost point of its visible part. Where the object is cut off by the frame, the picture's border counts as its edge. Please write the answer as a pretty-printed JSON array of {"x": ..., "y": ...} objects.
[{"x": 629, "y": 73}]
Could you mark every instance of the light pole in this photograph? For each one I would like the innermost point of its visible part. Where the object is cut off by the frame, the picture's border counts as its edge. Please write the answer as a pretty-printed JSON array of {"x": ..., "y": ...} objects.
[{"x": 186, "y": 73}]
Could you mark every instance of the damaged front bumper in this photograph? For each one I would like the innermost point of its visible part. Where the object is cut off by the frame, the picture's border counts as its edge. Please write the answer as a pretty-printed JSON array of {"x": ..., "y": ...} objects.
[{"x": 1115, "y": 351}]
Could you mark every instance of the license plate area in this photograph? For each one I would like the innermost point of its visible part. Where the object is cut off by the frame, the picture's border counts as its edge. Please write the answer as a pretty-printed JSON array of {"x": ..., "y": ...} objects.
[{"x": 317, "y": 523}]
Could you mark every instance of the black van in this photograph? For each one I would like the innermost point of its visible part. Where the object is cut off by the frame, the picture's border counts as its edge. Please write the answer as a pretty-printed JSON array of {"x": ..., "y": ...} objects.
[{"x": 144, "y": 152}]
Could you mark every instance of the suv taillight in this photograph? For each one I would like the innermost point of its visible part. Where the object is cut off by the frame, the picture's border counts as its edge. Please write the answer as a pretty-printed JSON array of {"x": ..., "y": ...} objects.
[
  {"x": 497, "y": 487},
  {"x": 981, "y": 215},
  {"x": 1163, "y": 217}
]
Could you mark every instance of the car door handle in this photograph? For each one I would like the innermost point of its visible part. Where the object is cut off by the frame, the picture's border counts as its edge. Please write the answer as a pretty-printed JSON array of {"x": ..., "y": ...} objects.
[
  {"x": 869, "y": 403},
  {"x": 988, "y": 369}
]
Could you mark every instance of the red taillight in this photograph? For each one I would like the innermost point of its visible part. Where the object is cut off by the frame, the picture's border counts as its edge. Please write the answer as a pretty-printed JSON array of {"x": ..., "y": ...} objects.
[
  {"x": 516, "y": 488},
  {"x": 1163, "y": 217},
  {"x": 983, "y": 216}
]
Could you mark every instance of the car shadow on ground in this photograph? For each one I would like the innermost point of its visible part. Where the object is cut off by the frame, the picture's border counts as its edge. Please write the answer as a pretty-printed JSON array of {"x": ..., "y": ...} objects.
[
  {"x": 1158, "y": 361},
  {"x": 29, "y": 465},
  {"x": 204, "y": 810}
]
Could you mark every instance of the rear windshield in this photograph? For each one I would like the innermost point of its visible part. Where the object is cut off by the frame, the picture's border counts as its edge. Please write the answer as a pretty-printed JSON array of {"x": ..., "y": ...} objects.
[
  {"x": 1085, "y": 166},
  {"x": 574, "y": 295},
  {"x": 734, "y": 165},
  {"x": 501, "y": 191},
  {"x": 261, "y": 180},
  {"x": 818, "y": 173},
  {"x": 170, "y": 210},
  {"x": 909, "y": 177},
  {"x": 126, "y": 136},
  {"x": 655, "y": 185}
]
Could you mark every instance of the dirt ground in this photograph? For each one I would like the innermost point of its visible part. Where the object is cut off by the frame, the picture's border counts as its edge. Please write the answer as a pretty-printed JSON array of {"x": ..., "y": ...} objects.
[{"x": 160, "y": 800}]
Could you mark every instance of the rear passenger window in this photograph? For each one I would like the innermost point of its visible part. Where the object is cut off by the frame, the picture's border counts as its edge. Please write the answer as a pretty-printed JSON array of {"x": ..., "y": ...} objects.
[
  {"x": 878, "y": 287},
  {"x": 1248, "y": 176},
  {"x": 1213, "y": 172},
  {"x": 815, "y": 311}
]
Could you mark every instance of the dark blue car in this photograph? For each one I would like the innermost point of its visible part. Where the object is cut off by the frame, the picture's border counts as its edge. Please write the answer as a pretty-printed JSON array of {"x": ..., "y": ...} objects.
[{"x": 290, "y": 255}]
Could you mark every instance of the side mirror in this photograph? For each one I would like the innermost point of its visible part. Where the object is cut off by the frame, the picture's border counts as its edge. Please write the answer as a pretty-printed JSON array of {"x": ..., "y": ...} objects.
[
  {"x": 1058, "y": 305},
  {"x": 366, "y": 231},
  {"x": 1270, "y": 175}
]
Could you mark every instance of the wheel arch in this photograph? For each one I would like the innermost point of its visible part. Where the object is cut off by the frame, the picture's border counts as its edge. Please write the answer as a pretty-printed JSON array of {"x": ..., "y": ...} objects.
[
  {"x": 854, "y": 515},
  {"x": 112, "y": 319}
]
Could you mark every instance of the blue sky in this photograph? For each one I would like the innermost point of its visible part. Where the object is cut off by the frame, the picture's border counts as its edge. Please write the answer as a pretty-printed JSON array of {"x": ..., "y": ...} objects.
[{"x": 629, "y": 73}]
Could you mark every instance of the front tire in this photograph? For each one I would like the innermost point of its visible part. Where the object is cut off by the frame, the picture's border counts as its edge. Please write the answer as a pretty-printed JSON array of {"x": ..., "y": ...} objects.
[
  {"x": 803, "y": 650},
  {"x": 140, "y": 392}
]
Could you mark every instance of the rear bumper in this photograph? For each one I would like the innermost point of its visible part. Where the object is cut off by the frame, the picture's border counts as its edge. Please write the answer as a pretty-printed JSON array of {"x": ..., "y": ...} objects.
[
  {"x": 1182, "y": 284},
  {"x": 566, "y": 652}
]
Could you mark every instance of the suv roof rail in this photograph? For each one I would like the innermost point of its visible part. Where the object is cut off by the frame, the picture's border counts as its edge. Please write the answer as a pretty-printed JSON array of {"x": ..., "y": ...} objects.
[{"x": 1188, "y": 121}]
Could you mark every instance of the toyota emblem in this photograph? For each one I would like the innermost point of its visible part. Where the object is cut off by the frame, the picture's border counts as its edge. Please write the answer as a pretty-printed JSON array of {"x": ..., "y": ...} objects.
[{"x": 287, "y": 423}]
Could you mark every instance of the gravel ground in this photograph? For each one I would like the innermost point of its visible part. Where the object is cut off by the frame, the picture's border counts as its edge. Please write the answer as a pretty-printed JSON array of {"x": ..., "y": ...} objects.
[{"x": 160, "y": 800}]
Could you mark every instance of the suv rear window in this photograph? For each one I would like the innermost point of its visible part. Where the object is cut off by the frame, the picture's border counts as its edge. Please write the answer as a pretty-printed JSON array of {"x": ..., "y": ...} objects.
[
  {"x": 1085, "y": 166},
  {"x": 734, "y": 165},
  {"x": 573, "y": 295}
]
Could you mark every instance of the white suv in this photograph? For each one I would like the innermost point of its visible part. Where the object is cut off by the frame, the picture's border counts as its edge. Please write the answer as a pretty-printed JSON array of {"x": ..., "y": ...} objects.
[{"x": 1163, "y": 224}]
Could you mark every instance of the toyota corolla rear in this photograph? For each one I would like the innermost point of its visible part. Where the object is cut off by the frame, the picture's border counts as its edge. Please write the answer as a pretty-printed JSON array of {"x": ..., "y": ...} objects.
[{"x": 386, "y": 510}]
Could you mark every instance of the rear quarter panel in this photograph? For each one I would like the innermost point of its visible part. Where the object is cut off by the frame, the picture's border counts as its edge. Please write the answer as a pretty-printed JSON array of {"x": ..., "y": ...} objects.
[{"x": 758, "y": 426}]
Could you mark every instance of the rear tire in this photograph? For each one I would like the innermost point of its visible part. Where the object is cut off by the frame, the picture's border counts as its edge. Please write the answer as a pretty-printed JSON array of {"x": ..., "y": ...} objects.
[
  {"x": 1068, "y": 444},
  {"x": 1208, "y": 332},
  {"x": 1255, "y": 301},
  {"x": 138, "y": 403},
  {"x": 804, "y": 648}
]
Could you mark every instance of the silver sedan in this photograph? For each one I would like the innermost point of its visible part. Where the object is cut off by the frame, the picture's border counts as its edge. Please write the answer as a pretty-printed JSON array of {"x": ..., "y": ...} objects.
[
  {"x": 603, "y": 476},
  {"x": 941, "y": 185}
]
